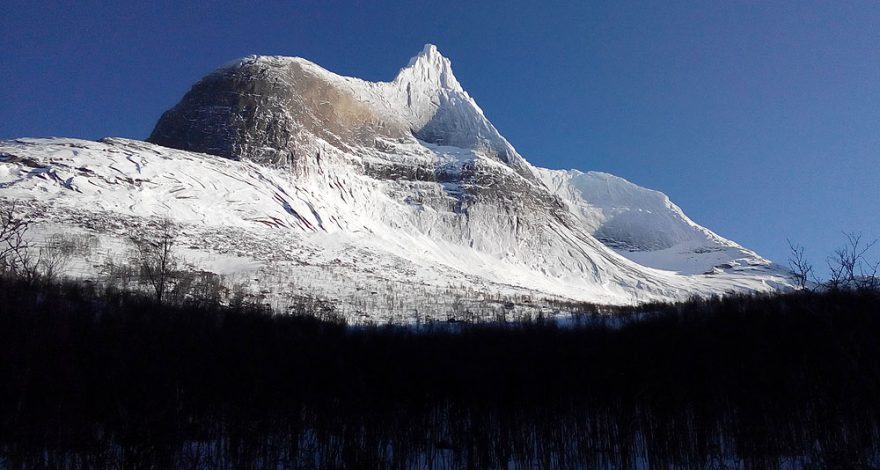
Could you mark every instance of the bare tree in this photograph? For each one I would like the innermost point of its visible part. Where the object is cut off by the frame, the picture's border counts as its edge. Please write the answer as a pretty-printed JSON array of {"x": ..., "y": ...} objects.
[
  {"x": 12, "y": 241},
  {"x": 26, "y": 259},
  {"x": 118, "y": 274},
  {"x": 16, "y": 256},
  {"x": 801, "y": 269},
  {"x": 54, "y": 255},
  {"x": 849, "y": 266},
  {"x": 156, "y": 258}
]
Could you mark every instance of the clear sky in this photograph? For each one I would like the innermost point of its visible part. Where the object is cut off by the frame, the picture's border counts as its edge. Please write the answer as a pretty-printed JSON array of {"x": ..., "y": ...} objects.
[{"x": 760, "y": 119}]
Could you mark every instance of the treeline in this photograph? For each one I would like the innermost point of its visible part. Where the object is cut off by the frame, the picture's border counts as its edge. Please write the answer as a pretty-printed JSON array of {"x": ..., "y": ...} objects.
[{"x": 114, "y": 379}]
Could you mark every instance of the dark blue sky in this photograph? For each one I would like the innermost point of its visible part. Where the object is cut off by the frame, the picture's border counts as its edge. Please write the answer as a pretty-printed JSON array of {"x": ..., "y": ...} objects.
[{"x": 761, "y": 119}]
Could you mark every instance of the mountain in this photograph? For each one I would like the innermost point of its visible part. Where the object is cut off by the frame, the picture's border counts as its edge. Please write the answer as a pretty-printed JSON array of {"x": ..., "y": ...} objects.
[{"x": 392, "y": 200}]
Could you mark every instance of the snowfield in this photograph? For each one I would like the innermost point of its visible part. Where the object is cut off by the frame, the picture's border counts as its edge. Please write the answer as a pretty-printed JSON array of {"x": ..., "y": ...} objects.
[{"x": 393, "y": 201}]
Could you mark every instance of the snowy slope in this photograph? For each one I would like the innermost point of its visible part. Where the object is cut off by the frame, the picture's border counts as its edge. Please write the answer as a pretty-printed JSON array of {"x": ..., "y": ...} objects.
[
  {"x": 644, "y": 225},
  {"x": 377, "y": 196}
]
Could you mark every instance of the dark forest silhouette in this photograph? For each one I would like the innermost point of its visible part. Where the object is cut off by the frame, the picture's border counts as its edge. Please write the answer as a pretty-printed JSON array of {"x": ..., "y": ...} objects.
[{"x": 111, "y": 378}]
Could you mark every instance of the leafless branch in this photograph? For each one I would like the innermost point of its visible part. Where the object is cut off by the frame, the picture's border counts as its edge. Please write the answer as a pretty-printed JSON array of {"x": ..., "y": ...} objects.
[{"x": 801, "y": 269}]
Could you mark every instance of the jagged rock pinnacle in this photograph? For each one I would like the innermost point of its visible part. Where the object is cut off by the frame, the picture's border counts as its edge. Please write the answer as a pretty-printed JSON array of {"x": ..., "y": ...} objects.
[{"x": 429, "y": 67}]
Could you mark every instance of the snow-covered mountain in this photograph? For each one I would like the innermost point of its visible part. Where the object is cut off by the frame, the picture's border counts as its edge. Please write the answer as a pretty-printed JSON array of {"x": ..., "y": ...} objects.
[{"x": 388, "y": 198}]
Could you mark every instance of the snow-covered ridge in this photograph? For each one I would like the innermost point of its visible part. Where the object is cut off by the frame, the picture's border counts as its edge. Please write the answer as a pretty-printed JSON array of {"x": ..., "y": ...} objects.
[
  {"x": 352, "y": 187},
  {"x": 644, "y": 225}
]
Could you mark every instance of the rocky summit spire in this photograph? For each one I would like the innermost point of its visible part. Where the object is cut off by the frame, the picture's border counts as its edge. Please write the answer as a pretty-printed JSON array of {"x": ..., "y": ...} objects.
[{"x": 429, "y": 67}]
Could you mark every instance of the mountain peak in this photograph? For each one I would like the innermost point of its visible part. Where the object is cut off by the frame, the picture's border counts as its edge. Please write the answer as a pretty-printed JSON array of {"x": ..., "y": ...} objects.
[
  {"x": 429, "y": 67},
  {"x": 429, "y": 51}
]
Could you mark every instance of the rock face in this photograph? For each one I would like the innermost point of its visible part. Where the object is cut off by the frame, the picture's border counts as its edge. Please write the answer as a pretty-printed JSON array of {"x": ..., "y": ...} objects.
[
  {"x": 408, "y": 170},
  {"x": 266, "y": 109}
]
